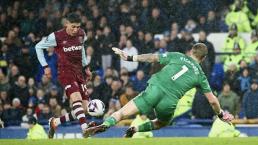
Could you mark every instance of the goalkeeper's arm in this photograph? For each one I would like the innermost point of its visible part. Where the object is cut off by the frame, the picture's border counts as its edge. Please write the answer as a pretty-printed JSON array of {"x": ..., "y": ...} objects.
[
  {"x": 214, "y": 102},
  {"x": 139, "y": 58}
]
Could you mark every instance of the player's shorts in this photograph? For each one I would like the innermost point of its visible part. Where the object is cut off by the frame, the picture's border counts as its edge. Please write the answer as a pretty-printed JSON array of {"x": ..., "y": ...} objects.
[
  {"x": 153, "y": 98},
  {"x": 73, "y": 82}
]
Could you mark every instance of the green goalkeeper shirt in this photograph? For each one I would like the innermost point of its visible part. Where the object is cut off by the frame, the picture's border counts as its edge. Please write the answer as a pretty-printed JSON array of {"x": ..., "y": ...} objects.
[{"x": 180, "y": 74}]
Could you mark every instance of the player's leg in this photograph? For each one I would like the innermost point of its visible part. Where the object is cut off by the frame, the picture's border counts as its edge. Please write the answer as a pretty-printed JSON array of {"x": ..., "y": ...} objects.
[
  {"x": 70, "y": 116},
  {"x": 78, "y": 109},
  {"x": 73, "y": 91},
  {"x": 137, "y": 105},
  {"x": 164, "y": 112},
  {"x": 148, "y": 126},
  {"x": 129, "y": 109}
]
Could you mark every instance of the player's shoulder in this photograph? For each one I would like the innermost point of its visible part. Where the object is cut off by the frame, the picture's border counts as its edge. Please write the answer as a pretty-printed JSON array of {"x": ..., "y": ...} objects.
[
  {"x": 60, "y": 31},
  {"x": 174, "y": 54},
  {"x": 81, "y": 32}
]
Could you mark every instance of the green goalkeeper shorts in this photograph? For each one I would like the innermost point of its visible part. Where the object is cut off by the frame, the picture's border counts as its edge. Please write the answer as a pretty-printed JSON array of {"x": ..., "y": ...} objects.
[{"x": 154, "y": 99}]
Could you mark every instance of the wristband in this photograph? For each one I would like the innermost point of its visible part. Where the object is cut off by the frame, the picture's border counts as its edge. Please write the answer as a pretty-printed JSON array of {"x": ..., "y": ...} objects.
[
  {"x": 220, "y": 115},
  {"x": 129, "y": 58},
  {"x": 132, "y": 58}
]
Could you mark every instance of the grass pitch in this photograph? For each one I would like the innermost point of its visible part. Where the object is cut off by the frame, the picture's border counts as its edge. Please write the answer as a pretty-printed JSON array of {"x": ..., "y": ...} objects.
[{"x": 150, "y": 141}]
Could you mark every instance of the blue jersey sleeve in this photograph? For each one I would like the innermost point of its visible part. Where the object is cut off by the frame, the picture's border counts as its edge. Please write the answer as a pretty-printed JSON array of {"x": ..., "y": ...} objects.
[{"x": 49, "y": 41}]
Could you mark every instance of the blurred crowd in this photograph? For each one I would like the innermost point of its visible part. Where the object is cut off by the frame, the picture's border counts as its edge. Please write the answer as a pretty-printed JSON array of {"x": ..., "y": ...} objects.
[{"x": 130, "y": 25}]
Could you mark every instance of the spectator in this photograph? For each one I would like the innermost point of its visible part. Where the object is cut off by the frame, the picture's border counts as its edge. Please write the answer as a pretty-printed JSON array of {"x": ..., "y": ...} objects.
[
  {"x": 235, "y": 57},
  {"x": 129, "y": 31},
  {"x": 45, "y": 84},
  {"x": 162, "y": 46},
  {"x": 238, "y": 17},
  {"x": 140, "y": 41},
  {"x": 4, "y": 84},
  {"x": 41, "y": 96},
  {"x": 254, "y": 66},
  {"x": 231, "y": 76},
  {"x": 12, "y": 115},
  {"x": 173, "y": 45},
  {"x": 250, "y": 101},
  {"x": 28, "y": 22},
  {"x": 107, "y": 42},
  {"x": 13, "y": 75},
  {"x": 207, "y": 65},
  {"x": 182, "y": 11},
  {"x": 45, "y": 114},
  {"x": 13, "y": 43},
  {"x": 36, "y": 131},
  {"x": 243, "y": 82},
  {"x": 186, "y": 41},
  {"x": 122, "y": 41},
  {"x": 114, "y": 103},
  {"x": 252, "y": 48},
  {"x": 212, "y": 22},
  {"x": 32, "y": 84},
  {"x": 232, "y": 39},
  {"x": 3, "y": 25},
  {"x": 4, "y": 57},
  {"x": 148, "y": 44},
  {"x": 54, "y": 107},
  {"x": 55, "y": 92},
  {"x": 229, "y": 100},
  {"x": 4, "y": 98},
  {"x": 92, "y": 59},
  {"x": 20, "y": 90},
  {"x": 191, "y": 26},
  {"x": 32, "y": 102},
  {"x": 130, "y": 50},
  {"x": 155, "y": 23},
  {"x": 124, "y": 77},
  {"x": 26, "y": 62},
  {"x": 140, "y": 81},
  {"x": 104, "y": 90},
  {"x": 25, "y": 118},
  {"x": 203, "y": 24},
  {"x": 128, "y": 95}
]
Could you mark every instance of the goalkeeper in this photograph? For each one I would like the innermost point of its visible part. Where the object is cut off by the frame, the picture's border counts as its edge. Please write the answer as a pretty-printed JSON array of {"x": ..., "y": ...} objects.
[{"x": 180, "y": 74}]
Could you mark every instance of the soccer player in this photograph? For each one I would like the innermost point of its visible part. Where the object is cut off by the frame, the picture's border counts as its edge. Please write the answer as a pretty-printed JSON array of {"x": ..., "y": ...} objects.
[
  {"x": 73, "y": 72},
  {"x": 180, "y": 74}
]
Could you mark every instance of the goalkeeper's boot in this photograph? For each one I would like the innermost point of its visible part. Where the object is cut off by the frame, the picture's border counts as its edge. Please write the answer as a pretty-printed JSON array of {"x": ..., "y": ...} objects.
[
  {"x": 130, "y": 132},
  {"x": 94, "y": 130},
  {"x": 52, "y": 128}
]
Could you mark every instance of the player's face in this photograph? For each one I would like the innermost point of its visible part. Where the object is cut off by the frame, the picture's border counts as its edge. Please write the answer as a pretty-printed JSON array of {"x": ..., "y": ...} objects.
[{"x": 72, "y": 28}]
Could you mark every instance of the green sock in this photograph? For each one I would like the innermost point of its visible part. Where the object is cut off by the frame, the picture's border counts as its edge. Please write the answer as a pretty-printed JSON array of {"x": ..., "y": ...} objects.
[
  {"x": 110, "y": 121},
  {"x": 148, "y": 126}
]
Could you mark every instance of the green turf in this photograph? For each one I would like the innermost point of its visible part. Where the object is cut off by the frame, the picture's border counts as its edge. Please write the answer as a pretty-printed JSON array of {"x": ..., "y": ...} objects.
[{"x": 121, "y": 141}]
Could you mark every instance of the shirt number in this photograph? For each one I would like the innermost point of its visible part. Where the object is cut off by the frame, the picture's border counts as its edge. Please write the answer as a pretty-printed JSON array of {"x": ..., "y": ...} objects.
[{"x": 180, "y": 73}]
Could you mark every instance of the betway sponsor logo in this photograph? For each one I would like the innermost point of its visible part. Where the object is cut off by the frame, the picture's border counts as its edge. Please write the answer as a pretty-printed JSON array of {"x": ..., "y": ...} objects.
[{"x": 72, "y": 48}]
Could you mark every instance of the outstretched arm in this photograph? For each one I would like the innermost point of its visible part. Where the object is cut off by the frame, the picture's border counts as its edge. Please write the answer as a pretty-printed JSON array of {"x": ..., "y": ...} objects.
[{"x": 140, "y": 58}]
